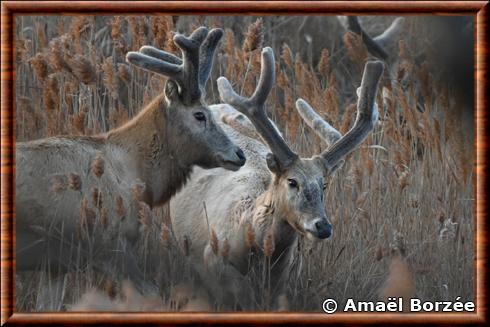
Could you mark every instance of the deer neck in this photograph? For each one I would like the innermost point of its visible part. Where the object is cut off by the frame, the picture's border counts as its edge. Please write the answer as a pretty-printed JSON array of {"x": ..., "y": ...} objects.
[
  {"x": 146, "y": 142},
  {"x": 270, "y": 217}
]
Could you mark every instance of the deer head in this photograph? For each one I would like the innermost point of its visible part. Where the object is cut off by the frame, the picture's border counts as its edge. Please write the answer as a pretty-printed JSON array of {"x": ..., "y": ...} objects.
[
  {"x": 299, "y": 184},
  {"x": 189, "y": 122}
]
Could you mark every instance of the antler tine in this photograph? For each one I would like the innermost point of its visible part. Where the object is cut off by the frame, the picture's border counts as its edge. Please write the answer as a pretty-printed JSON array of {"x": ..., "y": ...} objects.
[
  {"x": 322, "y": 128},
  {"x": 385, "y": 38},
  {"x": 372, "y": 46},
  {"x": 365, "y": 120},
  {"x": 254, "y": 108},
  {"x": 376, "y": 46},
  {"x": 160, "y": 54},
  {"x": 152, "y": 64},
  {"x": 206, "y": 55},
  {"x": 185, "y": 71},
  {"x": 189, "y": 79}
]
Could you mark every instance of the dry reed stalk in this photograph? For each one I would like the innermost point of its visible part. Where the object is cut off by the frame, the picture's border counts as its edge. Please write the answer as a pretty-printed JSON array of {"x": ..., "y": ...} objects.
[
  {"x": 332, "y": 99},
  {"x": 56, "y": 56},
  {"x": 283, "y": 303},
  {"x": 70, "y": 89},
  {"x": 184, "y": 297},
  {"x": 229, "y": 42},
  {"x": 104, "y": 217},
  {"x": 355, "y": 48},
  {"x": 97, "y": 166},
  {"x": 137, "y": 190},
  {"x": 269, "y": 245},
  {"x": 254, "y": 39},
  {"x": 40, "y": 32},
  {"x": 213, "y": 242},
  {"x": 83, "y": 69},
  {"x": 159, "y": 26},
  {"x": 118, "y": 117},
  {"x": 30, "y": 121},
  {"x": 403, "y": 180},
  {"x": 78, "y": 25},
  {"x": 249, "y": 236},
  {"x": 120, "y": 209},
  {"x": 225, "y": 250},
  {"x": 115, "y": 25},
  {"x": 74, "y": 181},
  {"x": 348, "y": 118},
  {"x": 186, "y": 246},
  {"x": 78, "y": 123},
  {"x": 400, "y": 282},
  {"x": 324, "y": 63},
  {"x": 96, "y": 197},
  {"x": 110, "y": 288},
  {"x": 379, "y": 253},
  {"x": 165, "y": 236},
  {"x": 110, "y": 77},
  {"x": 87, "y": 216},
  {"x": 145, "y": 216},
  {"x": 39, "y": 65},
  {"x": 124, "y": 73},
  {"x": 139, "y": 30},
  {"x": 170, "y": 45},
  {"x": 59, "y": 185},
  {"x": 282, "y": 79},
  {"x": 287, "y": 56}
]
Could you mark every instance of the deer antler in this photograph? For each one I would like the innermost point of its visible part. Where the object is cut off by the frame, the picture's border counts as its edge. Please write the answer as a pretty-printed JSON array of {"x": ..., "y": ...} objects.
[
  {"x": 376, "y": 46},
  {"x": 323, "y": 129},
  {"x": 191, "y": 73},
  {"x": 366, "y": 116},
  {"x": 254, "y": 108}
]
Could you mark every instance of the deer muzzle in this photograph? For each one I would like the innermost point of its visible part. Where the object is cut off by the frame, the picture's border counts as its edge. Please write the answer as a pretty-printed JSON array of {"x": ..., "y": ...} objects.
[{"x": 319, "y": 228}]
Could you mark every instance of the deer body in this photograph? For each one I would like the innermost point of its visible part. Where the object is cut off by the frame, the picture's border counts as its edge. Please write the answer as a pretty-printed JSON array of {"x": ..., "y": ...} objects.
[
  {"x": 274, "y": 198},
  {"x": 87, "y": 191},
  {"x": 245, "y": 198}
]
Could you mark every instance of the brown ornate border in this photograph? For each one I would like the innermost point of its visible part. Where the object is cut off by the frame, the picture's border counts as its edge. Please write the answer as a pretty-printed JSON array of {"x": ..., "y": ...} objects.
[{"x": 10, "y": 8}]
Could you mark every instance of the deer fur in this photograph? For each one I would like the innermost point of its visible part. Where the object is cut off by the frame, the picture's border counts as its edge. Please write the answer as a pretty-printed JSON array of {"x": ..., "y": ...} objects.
[
  {"x": 60, "y": 217},
  {"x": 259, "y": 199}
]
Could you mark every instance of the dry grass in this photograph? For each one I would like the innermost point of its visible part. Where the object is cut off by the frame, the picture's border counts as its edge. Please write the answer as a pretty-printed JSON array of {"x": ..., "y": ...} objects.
[{"x": 408, "y": 189}]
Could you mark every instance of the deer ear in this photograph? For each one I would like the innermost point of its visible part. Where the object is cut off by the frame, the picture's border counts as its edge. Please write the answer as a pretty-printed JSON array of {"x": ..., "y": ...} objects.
[
  {"x": 172, "y": 91},
  {"x": 273, "y": 163}
]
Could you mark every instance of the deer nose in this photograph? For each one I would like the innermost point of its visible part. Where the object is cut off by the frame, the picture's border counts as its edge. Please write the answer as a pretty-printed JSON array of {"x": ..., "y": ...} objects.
[
  {"x": 241, "y": 156},
  {"x": 324, "y": 228}
]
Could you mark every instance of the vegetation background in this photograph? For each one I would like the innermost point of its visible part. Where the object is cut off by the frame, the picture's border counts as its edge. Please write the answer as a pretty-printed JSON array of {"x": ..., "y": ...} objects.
[{"x": 402, "y": 206}]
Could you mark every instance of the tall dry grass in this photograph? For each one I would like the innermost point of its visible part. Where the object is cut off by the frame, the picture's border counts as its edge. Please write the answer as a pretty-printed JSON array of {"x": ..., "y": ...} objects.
[{"x": 402, "y": 206}]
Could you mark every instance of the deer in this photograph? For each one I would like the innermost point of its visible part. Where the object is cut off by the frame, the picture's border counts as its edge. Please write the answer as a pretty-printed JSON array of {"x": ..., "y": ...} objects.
[
  {"x": 141, "y": 163},
  {"x": 379, "y": 46},
  {"x": 451, "y": 42},
  {"x": 265, "y": 207}
]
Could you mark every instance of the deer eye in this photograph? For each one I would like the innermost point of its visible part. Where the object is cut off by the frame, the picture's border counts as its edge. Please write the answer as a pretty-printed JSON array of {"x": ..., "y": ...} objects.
[
  {"x": 292, "y": 183},
  {"x": 325, "y": 186},
  {"x": 200, "y": 116}
]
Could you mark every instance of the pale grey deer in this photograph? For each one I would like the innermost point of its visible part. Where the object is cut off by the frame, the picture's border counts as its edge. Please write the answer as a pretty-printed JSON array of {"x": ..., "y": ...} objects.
[
  {"x": 78, "y": 196},
  {"x": 224, "y": 217}
]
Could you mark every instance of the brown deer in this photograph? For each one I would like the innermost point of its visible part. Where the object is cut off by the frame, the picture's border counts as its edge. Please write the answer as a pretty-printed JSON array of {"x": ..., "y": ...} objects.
[
  {"x": 274, "y": 198},
  {"x": 78, "y": 195}
]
